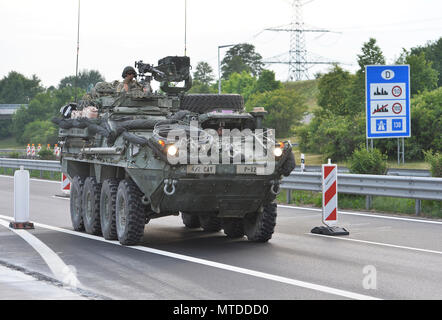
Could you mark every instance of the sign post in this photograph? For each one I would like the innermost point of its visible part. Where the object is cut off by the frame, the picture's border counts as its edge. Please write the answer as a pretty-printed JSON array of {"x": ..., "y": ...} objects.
[{"x": 387, "y": 90}]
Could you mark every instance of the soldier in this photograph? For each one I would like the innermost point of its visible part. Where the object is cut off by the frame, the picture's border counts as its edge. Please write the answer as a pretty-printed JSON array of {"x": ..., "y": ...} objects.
[{"x": 129, "y": 83}]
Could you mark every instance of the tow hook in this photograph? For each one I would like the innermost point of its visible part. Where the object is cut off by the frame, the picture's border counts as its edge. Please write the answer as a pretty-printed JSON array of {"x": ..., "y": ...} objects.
[
  {"x": 275, "y": 188},
  {"x": 169, "y": 185}
]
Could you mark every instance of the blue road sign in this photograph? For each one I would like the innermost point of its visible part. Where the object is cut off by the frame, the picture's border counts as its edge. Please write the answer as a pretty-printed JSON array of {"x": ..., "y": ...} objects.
[{"x": 387, "y": 90}]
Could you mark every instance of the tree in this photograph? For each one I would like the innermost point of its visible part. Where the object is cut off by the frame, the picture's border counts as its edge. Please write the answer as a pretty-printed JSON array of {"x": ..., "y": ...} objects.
[
  {"x": 433, "y": 53},
  {"x": 426, "y": 124},
  {"x": 371, "y": 55},
  {"x": 240, "y": 83},
  {"x": 422, "y": 75},
  {"x": 285, "y": 108},
  {"x": 203, "y": 73},
  {"x": 334, "y": 136},
  {"x": 16, "y": 88},
  {"x": 202, "y": 79},
  {"x": 333, "y": 91},
  {"x": 85, "y": 79},
  {"x": 266, "y": 82},
  {"x": 43, "y": 107},
  {"x": 40, "y": 131},
  {"x": 239, "y": 58}
]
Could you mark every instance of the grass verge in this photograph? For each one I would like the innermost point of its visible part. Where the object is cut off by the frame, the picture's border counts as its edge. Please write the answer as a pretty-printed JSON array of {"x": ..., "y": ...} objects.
[{"x": 56, "y": 176}]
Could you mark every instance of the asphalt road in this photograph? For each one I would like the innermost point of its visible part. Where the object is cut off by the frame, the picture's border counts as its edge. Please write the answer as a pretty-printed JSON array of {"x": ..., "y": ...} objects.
[{"x": 385, "y": 257}]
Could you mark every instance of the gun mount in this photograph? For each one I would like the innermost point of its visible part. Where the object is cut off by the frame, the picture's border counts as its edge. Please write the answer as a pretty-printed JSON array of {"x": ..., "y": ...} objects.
[{"x": 172, "y": 69}]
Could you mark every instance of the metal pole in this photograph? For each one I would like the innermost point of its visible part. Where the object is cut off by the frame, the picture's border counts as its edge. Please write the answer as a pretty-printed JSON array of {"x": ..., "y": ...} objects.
[
  {"x": 398, "y": 152},
  {"x": 219, "y": 74},
  {"x": 185, "y": 28},
  {"x": 403, "y": 150},
  {"x": 78, "y": 49},
  {"x": 219, "y": 65},
  {"x": 371, "y": 144}
]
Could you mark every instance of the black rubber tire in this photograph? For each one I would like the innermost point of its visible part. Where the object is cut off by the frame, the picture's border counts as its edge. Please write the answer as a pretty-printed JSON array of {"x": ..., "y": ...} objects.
[
  {"x": 210, "y": 223},
  {"x": 91, "y": 206},
  {"x": 130, "y": 215},
  {"x": 75, "y": 203},
  {"x": 202, "y": 103},
  {"x": 191, "y": 221},
  {"x": 233, "y": 227},
  {"x": 288, "y": 165},
  {"x": 260, "y": 226},
  {"x": 108, "y": 199}
]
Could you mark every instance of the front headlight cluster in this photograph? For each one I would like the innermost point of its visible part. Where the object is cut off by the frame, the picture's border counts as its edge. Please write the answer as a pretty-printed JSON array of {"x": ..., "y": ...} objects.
[
  {"x": 170, "y": 149},
  {"x": 278, "y": 150}
]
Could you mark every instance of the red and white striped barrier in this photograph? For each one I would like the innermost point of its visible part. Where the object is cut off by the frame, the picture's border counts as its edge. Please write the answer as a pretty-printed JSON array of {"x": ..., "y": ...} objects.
[
  {"x": 33, "y": 151},
  {"x": 28, "y": 150},
  {"x": 330, "y": 202},
  {"x": 329, "y": 194},
  {"x": 65, "y": 184}
]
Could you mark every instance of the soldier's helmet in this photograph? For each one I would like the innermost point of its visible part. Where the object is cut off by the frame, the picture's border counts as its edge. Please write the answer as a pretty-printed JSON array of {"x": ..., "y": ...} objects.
[{"x": 127, "y": 70}]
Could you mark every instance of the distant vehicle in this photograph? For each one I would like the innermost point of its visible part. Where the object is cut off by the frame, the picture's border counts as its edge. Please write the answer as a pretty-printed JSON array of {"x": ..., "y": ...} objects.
[{"x": 121, "y": 155}]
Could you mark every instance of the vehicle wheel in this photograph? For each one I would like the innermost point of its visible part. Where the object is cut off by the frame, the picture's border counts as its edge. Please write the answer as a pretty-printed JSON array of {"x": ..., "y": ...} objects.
[
  {"x": 107, "y": 208},
  {"x": 233, "y": 227},
  {"x": 210, "y": 223},
  {"x": 191, "y": 221},
  {"x": 91, "y": 206},
  {"x": 129, "y": 215},
  {"x": 75, "y": 203},
  {"x": 202, "y": 103},
  {"x": 259, "y": 227}
]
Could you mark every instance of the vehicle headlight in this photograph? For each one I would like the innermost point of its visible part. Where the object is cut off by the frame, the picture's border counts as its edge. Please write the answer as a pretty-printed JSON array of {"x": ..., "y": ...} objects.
[
  {"x": 172, "y": 150},
  {"x": 277, "y": 151}
]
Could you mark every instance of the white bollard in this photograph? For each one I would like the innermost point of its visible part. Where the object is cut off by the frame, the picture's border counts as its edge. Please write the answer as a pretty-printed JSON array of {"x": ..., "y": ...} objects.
[
  {"x": 21, "y": 200},
  {"x": 302, "y": 162}
]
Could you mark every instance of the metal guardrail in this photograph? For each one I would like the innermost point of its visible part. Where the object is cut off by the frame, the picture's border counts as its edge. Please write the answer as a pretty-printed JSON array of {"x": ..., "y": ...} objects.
[
  {"x": 366, "y": 184},
  {"x": 390, "y": 171},
  {"x": 42, "y": 165},
  {"x": 418, "y": 188}
]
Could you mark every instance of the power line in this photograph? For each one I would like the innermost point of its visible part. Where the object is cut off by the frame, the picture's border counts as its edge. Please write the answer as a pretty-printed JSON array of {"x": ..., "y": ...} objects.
[{"x": 297, "y": 63}]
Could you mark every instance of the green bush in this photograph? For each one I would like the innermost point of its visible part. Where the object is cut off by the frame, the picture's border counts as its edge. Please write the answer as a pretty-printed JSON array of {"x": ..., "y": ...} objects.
[
  {"x": 363, "y": 161},
  {"x": 435, "y": 161},
  {"x": 334, "y": 136},
  {"x": 14, "y": 155},
  {"x": 46, "y": 154}
]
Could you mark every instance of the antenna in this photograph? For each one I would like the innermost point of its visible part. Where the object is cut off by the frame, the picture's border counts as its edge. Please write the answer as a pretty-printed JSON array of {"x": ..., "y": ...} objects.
[
  {"x": 78, "y": 49},
  {"x": 297, "y": 54},
  {"x": 185, "y": 27}
]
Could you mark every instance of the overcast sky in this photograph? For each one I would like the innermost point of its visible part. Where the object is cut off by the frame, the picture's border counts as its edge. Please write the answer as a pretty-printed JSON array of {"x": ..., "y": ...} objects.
[{"x": 39, "y": 37}]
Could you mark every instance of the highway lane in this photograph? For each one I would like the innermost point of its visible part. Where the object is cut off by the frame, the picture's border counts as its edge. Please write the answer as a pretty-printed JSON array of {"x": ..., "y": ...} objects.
[{"x": 396, "y": 248}]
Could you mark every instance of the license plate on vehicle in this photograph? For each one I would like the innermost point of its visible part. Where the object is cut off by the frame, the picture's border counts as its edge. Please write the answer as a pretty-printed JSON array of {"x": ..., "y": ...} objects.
[
  {"x": 249, "y": 169},
  {"x": 201, "y": 168}
]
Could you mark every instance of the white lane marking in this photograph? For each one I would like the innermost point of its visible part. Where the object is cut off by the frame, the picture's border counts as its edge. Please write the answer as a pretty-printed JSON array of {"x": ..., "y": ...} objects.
[
  {"x": 60, "y": 270},
  {"x": 32, "y": 179},
  {"x": 365, "y": 215},
  {"x": 60, "y": 197},
  {"x": 309, "y": 209},
  {"x": 218, "y": 265},
  {"x": 377, "y": 243}
]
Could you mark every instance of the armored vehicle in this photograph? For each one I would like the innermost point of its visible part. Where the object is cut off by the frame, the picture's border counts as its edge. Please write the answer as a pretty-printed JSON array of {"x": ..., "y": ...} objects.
[{"x": 137, "y": 155}]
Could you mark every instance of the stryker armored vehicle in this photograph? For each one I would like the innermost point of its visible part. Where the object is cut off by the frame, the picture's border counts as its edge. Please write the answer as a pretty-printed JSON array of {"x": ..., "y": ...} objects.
[{"x": 120, "y": 150}]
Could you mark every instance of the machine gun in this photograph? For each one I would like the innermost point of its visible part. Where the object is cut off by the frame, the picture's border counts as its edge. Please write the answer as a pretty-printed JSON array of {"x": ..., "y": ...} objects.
[{"x": 169, "y": 69}]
